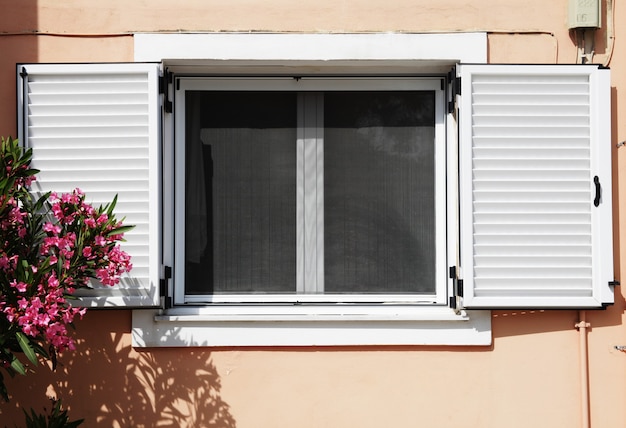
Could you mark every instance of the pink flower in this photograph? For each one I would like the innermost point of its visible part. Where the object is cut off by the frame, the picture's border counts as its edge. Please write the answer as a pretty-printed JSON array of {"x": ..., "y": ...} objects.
[
  {"x": 9, "y": 314},
  {"x": 52, "y": 228},
  {"x": 102, "y": 219},
  {"x": 88, "y": 209},
  {"x": 53, "y": 282},
  {"x": 29, "y": 180},
  {"x": 19, "y": 286},
  {"x": 53, "y": 311},
  {"x": 57, "y": 211},
  {"x": 29, "y": 330}
]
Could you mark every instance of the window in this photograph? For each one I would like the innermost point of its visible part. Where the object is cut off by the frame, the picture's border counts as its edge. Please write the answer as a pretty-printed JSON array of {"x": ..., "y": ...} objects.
[
  {"x": 322, "y": 197},
  {"x": 310, "y": 189}
]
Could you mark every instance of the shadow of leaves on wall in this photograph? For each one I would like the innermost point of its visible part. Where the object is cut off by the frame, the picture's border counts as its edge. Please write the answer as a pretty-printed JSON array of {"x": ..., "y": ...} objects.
[{"x": 111, "y": 384}]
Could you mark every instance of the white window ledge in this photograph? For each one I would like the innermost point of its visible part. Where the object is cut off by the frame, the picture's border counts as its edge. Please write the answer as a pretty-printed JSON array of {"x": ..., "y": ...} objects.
[{"x": 296, "y": 326}]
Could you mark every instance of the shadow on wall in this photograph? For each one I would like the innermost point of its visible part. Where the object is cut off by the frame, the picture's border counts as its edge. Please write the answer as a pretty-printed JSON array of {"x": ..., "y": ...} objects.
[
  {"x": 110, "y": 384},
  {"x": 17, "y": 44},
  {"x": 526, "y": 322}
]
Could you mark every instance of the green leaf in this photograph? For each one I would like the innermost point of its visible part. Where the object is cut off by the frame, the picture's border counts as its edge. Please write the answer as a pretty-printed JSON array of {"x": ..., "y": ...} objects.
[
  {"x": 31, "y": 171},
  {"x": 120, "y": 230},
  {"x": 112, "y": 206},
  {"x": 26, "y": 347},
  {"x": 18, "y": 366},
  {"x": 39, "y": 204}
]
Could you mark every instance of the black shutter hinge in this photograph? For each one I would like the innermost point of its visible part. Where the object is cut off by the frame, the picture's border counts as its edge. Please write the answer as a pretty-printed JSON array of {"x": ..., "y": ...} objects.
[
  {"x": 23, "y": 73},
  {"x": 458, "y": 283},
  {"x": 165, "y": 277},
  {"x": 614, "y": 283},
  {"x": 457, "y": 287},
  {"x": 164, "y": 80},
  {"x": 452, "y": 303},
  {"x": 454, "y": 83},
  {"x": 164, "y": 83}
]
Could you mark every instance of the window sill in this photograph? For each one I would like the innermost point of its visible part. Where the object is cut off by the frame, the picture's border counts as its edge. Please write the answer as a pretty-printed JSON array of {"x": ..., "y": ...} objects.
[{"x": 310, "y": 326}]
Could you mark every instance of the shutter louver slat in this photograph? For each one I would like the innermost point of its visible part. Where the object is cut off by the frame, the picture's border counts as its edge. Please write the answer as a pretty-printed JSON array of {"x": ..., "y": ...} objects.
[
  {"x": 529, "y": 151},
  {"x": 95, "y": 127}
]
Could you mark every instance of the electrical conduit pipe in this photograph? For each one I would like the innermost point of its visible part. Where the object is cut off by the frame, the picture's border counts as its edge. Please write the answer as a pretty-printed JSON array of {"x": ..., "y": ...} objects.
[{"x": 582, "y": 327}]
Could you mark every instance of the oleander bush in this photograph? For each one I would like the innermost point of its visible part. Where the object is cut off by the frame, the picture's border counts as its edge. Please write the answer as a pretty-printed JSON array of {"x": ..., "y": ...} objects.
[{"x": 50, "y": 246}]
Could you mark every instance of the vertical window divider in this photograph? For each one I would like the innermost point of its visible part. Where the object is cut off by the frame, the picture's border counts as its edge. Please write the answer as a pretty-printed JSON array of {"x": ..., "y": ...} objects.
[
  {"x": 300, "y": 135},
  {"x": 318, "y": 99},
  {"x": 310, "y": 198}
]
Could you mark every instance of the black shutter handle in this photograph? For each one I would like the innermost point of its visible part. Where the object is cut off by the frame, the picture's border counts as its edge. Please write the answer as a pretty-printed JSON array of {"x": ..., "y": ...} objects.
[{"x": 596, "y": 181}]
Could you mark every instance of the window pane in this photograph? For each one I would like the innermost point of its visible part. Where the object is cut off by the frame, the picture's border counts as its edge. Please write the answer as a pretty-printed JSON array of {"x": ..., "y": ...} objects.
[
  {"x": 240, "y": 192},
  {"x": 379, "y": 192}
]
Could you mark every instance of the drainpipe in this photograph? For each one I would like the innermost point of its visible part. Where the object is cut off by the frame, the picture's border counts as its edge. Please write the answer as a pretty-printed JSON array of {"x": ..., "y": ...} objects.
[{"x": 582, "y": 327}]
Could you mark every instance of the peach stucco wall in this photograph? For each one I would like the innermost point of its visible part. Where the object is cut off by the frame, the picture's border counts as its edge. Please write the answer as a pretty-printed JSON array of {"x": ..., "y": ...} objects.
[{"x": 529, "y": 377}]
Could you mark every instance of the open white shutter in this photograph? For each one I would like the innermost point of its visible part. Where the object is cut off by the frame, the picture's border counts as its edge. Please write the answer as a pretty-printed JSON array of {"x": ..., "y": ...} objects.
[
  {"x": 96, "y": 127},
  {"x": 532, "y": 140}
]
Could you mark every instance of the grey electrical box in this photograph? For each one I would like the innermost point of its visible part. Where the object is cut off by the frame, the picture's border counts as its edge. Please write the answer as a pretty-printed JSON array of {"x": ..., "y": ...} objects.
[{"x": 584, "y": 14}]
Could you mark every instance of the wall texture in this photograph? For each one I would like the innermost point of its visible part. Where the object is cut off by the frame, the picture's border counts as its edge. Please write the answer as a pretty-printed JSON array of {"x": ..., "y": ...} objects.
[{"x": 529, "y": 377}]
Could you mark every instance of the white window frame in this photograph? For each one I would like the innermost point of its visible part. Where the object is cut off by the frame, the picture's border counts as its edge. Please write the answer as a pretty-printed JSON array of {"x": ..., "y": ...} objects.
[
  {"x": 303, "y": 325},
  {"x": 309, "y": 281}
]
